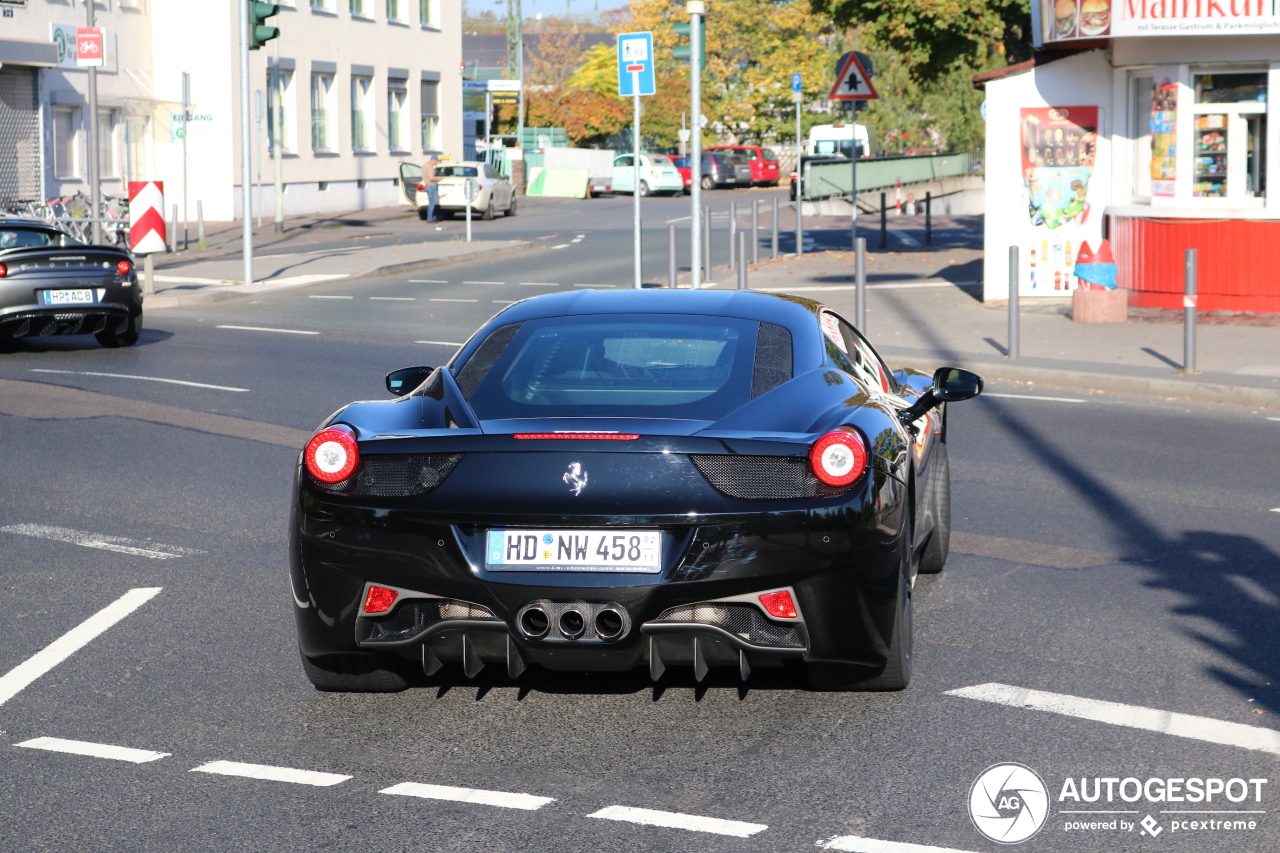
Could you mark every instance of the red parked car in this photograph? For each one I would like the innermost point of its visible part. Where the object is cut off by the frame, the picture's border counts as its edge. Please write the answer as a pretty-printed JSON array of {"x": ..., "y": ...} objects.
[
  {"x": 764, "y": 163},
  {"x": 686, "y": 171}
]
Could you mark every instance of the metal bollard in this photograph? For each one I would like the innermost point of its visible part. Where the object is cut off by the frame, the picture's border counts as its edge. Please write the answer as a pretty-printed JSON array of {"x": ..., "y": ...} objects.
[
  {"x": 860, "y": 282},
  {"x": 201, "y": 242},
  {"x": 673, "y": 269},
  {"x": 733, "y": 230},
  {"x": 173, "y": 231},
  {"x": 706, "y": 244},
  {"x": 742, "y": 260},
  {"x": 755, "y": 230},
  {"x": 928, "y": 219},
  {"x": 773, "y": 249},
  {"x": 884, "y": 223},
  {"x": 1189, "y": 308},
  {"x": 800, "y": 216},
  {"x": 1014, "y": 331}
]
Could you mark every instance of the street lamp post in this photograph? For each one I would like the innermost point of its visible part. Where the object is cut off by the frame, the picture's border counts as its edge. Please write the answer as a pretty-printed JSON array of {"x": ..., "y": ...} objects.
[{"x": 697, "y": 10}]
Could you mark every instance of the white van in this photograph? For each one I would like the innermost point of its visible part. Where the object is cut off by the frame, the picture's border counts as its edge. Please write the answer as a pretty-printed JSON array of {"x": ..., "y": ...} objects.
[{"x": 836, "y": 140}]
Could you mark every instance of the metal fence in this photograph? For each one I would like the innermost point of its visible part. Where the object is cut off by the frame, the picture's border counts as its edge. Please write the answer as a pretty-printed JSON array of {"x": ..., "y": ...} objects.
[
  {"x": 19, "y": 134},
  {"x": 825, "y": 180}
]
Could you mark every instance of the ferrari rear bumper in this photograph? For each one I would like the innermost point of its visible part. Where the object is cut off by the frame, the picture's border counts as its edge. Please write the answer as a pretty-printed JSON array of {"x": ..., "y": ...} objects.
[{"x": 45, "y": 320}]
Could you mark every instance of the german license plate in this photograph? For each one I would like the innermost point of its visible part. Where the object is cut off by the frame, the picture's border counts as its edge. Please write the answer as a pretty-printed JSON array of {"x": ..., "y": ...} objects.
[
  {"x": 574, "y": 551},
  {"x": 67, "y": 297}
]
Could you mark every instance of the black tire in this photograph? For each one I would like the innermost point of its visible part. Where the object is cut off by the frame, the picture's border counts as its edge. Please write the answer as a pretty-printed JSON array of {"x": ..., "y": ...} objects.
[
  {"x": 935, "y": 553},
  {"x": 488, "y": 211},
  {"x": 122, "y": 337},
  {"x": 422, "y": 213},
  {"x": 644, "y": 189},
  {"x": 444, "y": 214},
  {"x": 708, "y": 182},
  {"x": 832, "y": 676},
  {"x": 511, "y": 211},
  {"x": 354, "y": 673}
]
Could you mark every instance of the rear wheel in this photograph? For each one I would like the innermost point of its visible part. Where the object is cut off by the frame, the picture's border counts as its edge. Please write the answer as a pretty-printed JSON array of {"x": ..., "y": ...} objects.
[
  {"x": 354, "y": 673},
  {"x": 708, "y": 182},
  {"x": 935, "y": 553},
  {"x": 644, "y": 189},
  {"x": 444, "y": 214},
  {"x": 422, "y": 213},
  {"x": 125, "y": 336},
  {"x": 488, "y": 211},
  {"x": 896, "y": 675},
  {"x": 511, "y": 211}
]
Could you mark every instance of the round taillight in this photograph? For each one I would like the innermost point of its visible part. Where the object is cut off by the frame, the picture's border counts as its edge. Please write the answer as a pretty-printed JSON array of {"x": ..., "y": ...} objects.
[
  {"x": 331, "y": 456},
  {"x": 4, "y": 270},
  {"x": 124, "y": 268},
  {"x": 838, "y": 458}
]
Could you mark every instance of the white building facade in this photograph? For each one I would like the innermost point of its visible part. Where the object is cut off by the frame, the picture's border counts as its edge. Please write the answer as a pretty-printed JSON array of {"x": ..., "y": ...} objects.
[{"x": 362, "y": 86}]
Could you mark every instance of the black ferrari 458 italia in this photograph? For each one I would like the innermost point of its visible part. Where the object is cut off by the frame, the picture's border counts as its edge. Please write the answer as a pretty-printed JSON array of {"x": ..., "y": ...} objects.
[
  {"x": 610, "y": 480},
  {"x": 51, "y": 284}
]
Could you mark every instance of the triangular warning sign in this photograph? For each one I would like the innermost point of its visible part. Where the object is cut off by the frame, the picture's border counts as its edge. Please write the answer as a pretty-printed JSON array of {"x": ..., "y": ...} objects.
[{"x": 853, "y": 83}]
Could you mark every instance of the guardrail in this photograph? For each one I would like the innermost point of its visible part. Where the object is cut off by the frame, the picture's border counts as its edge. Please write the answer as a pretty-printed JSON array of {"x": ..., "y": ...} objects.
[{"x": 826, "y": 180}]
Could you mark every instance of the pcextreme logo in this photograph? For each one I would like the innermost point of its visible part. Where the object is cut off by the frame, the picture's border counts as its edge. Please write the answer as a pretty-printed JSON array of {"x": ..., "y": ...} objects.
[{"x": 1009, "y": 803}]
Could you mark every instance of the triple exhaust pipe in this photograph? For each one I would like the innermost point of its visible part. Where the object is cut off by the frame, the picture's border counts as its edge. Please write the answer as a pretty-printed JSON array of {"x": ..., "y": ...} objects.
[{"x": 535, "y": 622}]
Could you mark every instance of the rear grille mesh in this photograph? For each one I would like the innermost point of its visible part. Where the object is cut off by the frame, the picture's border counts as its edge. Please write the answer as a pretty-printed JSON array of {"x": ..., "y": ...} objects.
[
  {"x": 397, "y": 475},
  {"x": 762, "y": 478},
  {"x": 741, "y": 620},
  {"x": 415, "y": 616}
]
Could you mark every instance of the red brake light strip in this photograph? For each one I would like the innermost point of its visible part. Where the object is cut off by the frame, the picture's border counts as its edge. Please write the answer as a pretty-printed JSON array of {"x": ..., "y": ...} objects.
[{"x": 604, "y": 436}]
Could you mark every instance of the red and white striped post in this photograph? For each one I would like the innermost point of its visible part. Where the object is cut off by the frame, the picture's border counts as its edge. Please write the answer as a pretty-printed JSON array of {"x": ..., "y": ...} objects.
[{"x": 147, "y": 226}]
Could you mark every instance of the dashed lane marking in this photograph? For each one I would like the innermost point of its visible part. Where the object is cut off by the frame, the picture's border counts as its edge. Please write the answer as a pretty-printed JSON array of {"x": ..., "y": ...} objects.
[
  {"x": 442, "y": 299},
  {"x": 274, "y": 774},
  {"x": 562, "y": 246},
  {"x": 1131, "y": 716},
  {"x": 503, "y": 302},
  {"x": 676, "y": 820},
  {"x": 528, "y": 802},
  {"x": 1276, "y": 509},
  {"x": 142, "y": 378},
  {"x": 484, "y": 282},
  {"x": 858, "y": 844},
  {"x": 96, "y": 540},
  {"x": 392, "y": 298},
  {"x": 265, "y": 329},
  {"x": 94, "y": 750},
  {"x": 440, "y": 343},
  {"x": 15, "y": 680},
  {"x": 318, "y": 296},
  {"x": 1273, "y": 419},
  {"x": 539, "y": 284},
  {"x": 426, "y": 281},
  {"x": 1033, "y": 397}
]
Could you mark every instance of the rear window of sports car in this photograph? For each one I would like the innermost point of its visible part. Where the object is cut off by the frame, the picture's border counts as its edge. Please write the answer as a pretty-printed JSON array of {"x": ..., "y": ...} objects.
[{"x": 667, "y": 366}]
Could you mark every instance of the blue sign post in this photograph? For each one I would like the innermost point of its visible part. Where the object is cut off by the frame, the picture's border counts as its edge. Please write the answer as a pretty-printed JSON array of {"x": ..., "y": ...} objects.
[
  {"x": 795, "y": 82},
  {"x": 635, "y": 78}
]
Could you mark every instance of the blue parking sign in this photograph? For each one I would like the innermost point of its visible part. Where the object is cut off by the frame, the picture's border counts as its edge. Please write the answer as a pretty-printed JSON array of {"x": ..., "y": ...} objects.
[
  {"x": 635, "y": 64},
  {"x": 795, "y": 82}
]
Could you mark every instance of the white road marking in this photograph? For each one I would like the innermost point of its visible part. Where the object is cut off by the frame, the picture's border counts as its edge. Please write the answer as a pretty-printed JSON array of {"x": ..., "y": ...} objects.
[
  {"x": 579, "y": 236},
  {"x": 905, "y": 238},
  {"x": 300, "y": 279},
  {"x": 539, "y": 284},
  {"x": 1273, "y": 419},
  {"x": 15, "y": 680},
  {"x": 528, "y": 802},
  {"x": 561, "y": 246},
  {"x": 454, "y": 300},
  {"x": 595, "y": 285},
  {"x": 426, "y": 281},
  {"x": 393, "y": 298},
  {"x": 858, "y": 844},
  {"x": 265, "y": 329},
  {"x": 675, "y": 820},
  {"x": 102, "y": 543},
  {"x": 576, "y": 240},
  {"x": 484, "y": 282},
  {"x": 440, "y": 343},
  {"x": 185, "y": 279},
  {"x": 143, "y": 378},
  {"x": 1131, "y": 716},
  {"x": 94, "y": 750},
  {"x": 503, "y": 302},
  {"x": 312, "y": 252},
  {"x": 317, "y": 296},
  {"x": 1033, "y": 397},
  {"x": 1276, "y": 509},
  {"x": 274, "y": 774}
]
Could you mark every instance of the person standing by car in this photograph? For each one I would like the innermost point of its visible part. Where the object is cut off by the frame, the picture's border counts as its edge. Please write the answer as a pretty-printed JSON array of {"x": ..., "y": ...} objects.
[{"x": 431, "y": 184}]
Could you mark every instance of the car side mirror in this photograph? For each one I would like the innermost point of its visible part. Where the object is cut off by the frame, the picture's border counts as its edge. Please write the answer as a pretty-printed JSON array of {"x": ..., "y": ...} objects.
[
  {"x": 404, "y": 380},
  {"x": 950, "y": 385}
]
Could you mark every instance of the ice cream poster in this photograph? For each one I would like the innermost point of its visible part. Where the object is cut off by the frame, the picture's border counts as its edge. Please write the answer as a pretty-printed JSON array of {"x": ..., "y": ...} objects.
[
  {"x": 1164, "y": 133},
  {"x": 1059, "y": 150}
]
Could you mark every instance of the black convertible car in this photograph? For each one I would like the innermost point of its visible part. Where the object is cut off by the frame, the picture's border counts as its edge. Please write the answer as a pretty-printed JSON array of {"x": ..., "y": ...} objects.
[
  {"x": 603, "y": 481},
  {"x": 51, "y": 284}
]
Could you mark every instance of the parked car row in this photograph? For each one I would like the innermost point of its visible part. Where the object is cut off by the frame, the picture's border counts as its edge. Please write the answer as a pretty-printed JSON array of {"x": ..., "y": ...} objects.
[{"x": 723, "y": 166}]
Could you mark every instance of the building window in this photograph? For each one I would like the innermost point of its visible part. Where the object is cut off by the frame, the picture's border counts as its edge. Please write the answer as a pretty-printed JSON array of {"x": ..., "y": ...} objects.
[
  {"x": 430, "y": 115},
  {"x": 66, "y": 122},
  {"x": 1228, "y": 136},
  {"x": 322, "y": 136},
  {"x": 283, "y": 109},
  {"x": 427, "y": 13},
  {"x": 357, "y": 8},
  {"x": 397, "y": 116},
  {"x": 108, "y": 162},
  {"x": 393, "y": 10},
  {"x": 362, "y": 130},
  {"x": 1141, "y": 120},
  {"x": 321, "y": 5}
]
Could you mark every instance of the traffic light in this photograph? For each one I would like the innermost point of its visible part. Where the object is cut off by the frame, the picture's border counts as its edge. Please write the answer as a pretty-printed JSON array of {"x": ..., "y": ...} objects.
[
  {"x": 259, "y": 32},
  {"x": 683, "y": 52}
]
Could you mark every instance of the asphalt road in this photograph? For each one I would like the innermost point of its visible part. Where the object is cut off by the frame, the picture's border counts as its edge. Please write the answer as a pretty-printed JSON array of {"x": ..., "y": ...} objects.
[{"x": 1109, "y": 550}]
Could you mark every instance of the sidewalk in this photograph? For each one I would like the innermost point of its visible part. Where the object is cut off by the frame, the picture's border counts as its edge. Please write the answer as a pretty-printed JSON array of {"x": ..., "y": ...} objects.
[
  {"x": 200, "y": 276},
  {"x": 923, "y": 310}
]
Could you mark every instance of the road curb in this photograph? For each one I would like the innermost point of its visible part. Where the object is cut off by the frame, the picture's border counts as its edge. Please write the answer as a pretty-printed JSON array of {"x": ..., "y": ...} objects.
[
  {"x": 164, "y": 300},
  {"x": 1188, "y": 388}
]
